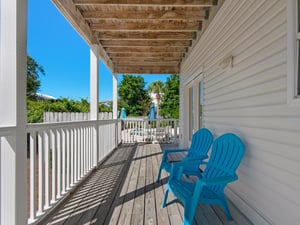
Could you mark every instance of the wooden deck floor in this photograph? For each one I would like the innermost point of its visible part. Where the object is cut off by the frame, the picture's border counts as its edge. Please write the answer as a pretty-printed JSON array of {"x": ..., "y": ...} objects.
[{"x": 123, "y": 191}]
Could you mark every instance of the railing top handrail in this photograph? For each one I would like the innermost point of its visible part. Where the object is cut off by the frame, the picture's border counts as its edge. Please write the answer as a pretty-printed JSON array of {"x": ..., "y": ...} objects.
[
  {"x": 7, "y": 131},
  {"x": 146, "y": 119},
  {"x": 70, "y": 124}
]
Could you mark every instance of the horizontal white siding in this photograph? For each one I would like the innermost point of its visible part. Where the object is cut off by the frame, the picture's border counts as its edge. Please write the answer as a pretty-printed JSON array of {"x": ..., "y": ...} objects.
[{"x": 250, "y": 99}]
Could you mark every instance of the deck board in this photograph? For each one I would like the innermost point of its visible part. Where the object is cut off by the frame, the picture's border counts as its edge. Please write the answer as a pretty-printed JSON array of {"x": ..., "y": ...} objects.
[{"x": 123, "y": 190}]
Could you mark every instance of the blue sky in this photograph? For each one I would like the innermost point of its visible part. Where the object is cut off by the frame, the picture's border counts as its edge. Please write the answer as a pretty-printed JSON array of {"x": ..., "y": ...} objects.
[{"x": 64, "y": 55}]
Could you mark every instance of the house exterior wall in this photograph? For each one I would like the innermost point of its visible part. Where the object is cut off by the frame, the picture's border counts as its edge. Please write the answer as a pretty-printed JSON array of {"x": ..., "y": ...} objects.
[{"x": 250, "y": 99}]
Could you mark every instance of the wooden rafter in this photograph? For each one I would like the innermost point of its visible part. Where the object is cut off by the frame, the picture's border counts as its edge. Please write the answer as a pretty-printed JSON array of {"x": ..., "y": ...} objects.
[
  {"x": 202, "y": 3},
  {"x": 146, "y": 35},
  {"x": 146, "y": 49},
  {"x": 146, "y": 55},
  {"x": 129, "y": 61},
  {"x": 147, "y": 69},
  {"x": 152, "y": 13},
  {"x": 162, "y": 43},
  {"x": 164, "y": 25}
]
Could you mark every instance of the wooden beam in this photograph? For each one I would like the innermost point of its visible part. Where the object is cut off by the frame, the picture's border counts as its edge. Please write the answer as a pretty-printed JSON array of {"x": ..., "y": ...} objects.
[
  {"x": 143, "y": 2},
  {"x": 174, "y": 43},
  {"x": 148, "y": 69},
  {"x": 146, "y": 49},
  {"x": 68, "y": 9},
  {"x": 147, "y": 35},
  {"x": 154, "y": 25},
  {"x": 154, "y": 64},
  {"x": 146, "y": 55},
  {"x": 133, "y": 61},
  {"x": 150, "y": 13}
]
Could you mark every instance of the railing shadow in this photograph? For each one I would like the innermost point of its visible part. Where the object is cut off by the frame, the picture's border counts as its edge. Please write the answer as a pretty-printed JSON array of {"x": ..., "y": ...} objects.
[{"x": 94, "y": 202}]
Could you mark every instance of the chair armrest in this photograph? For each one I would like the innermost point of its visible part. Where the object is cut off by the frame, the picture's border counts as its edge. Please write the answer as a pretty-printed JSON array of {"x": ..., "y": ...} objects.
[
  {"x": 188, "y": 162},
  {"x": 178, "y": 167},
  {"x": 218, "y": 180},
  {"x": 168, "y": 151}
]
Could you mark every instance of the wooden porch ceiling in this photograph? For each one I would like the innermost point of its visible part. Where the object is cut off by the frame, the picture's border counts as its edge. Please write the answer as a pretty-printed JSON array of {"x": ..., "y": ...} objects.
[{"x": 137, "y": 36}]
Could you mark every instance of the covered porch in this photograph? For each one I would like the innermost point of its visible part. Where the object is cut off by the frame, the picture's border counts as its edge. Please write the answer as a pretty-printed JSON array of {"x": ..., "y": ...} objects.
[{"x": 238, "y": 66}]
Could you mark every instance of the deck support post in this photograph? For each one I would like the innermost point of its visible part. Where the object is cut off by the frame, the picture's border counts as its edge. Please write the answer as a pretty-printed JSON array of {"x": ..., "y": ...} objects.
[
  {"x": 115, "y": 96},
  {"x": 115, "y": 105},
  {"x": 13, "y": 56},
  {"x": 94, "y": 99}
]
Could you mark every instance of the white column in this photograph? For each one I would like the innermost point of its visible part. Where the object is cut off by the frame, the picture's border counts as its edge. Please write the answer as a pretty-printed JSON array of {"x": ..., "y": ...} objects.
[
  {"x": 115, "y": 105},
  {"x": 94, "y": 98},
  {"x": 13, "y": 54},
  {"x": 183, "y": 115},
  {"x": 115, "y": 96},
  {"x": 94, "y": 82}
]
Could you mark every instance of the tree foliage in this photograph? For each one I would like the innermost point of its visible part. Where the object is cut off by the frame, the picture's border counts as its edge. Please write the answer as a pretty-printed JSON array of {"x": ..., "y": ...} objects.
[
  {"x": 36, "y": 108},
  {"x": 169, "y": 106},
  {"x": 33, "y": 72},
  {"x": 133, "y": 96}
]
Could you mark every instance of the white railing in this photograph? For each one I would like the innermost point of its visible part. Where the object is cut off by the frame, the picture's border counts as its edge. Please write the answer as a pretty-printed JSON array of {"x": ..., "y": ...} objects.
[
  {"x": 144, "y": 130},
  {"x": 61, "y": 155}
]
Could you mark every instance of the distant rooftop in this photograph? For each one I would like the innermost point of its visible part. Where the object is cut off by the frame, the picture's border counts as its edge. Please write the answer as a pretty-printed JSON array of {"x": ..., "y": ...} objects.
[{"x": 45, "y": 97}]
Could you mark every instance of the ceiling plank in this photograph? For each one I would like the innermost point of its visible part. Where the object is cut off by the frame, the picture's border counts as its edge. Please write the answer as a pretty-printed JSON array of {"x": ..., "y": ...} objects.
[
  {"x": 163, "y": 25},
  {"x": 148, "y": 69},
  {"x": 146, "y": 49},
  {"x": 174, "y": 13},
  {"x": 146, "y": 60},
  {"x": 139, "y": 64},
  {"x": 143, "y": 2},
  {"x": 146, "y": 35},
  {"x": 174, "y": 43},
  {"x": 146, "y": 55}
]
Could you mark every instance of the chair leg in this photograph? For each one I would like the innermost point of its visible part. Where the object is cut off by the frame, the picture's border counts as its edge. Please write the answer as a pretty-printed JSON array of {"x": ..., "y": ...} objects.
[
  {"x": 226, "y": 209},
  {"x": 159, "y": 174},
  {"x": 189, "y": 213},
  {"x": 165, "y": 198}
]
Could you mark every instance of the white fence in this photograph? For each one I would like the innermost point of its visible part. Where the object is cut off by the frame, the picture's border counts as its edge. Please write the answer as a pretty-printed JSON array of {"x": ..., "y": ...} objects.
[
  {"x": 62, "y": 154},
  {"x": 144, "y": 130},
  {"x": 55, "y": 117}
]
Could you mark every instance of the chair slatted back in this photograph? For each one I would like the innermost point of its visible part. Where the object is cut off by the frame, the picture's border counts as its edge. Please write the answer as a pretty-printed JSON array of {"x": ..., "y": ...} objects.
[
  {"x": 227, "y": 153},
  {"x": 201, "y": 142}
]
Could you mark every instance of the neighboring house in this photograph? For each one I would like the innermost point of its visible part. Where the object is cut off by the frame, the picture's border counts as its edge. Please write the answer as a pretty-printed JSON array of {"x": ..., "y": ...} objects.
[
  {"x": 247, "y": 63},
  {"x": 44, "y": 97}
]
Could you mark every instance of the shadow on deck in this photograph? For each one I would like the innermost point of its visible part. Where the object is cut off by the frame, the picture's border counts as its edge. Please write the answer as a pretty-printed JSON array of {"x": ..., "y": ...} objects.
[{"x": 122, "y": 190}]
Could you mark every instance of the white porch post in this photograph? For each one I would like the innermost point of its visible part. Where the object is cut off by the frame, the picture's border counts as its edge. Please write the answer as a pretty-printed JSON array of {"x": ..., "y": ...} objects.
[
  {"x": 13, "y": 54},
  {"x": 115, "y": 96},
  {"x": 94, "y": 97},
  {"x": 183, "y": 115},
  {"x": 115, "y": 105}
]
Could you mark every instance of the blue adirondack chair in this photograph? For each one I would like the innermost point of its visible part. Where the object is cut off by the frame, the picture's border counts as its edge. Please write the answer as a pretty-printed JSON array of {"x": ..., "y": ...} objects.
[
  {"x": 227, "y": 152},
  {"x": 201, "y": 142}
]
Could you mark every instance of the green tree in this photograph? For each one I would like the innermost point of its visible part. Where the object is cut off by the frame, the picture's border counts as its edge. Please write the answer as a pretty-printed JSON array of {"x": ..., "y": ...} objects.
[
  {"x": 169, "y": 106},
  {"x": 133, "y": 96},
  {"x": 156, "y": 87},
  {"x": 33, "y": 72}
]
